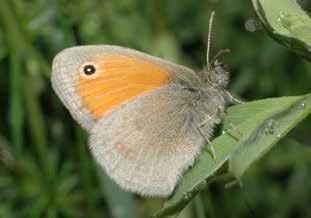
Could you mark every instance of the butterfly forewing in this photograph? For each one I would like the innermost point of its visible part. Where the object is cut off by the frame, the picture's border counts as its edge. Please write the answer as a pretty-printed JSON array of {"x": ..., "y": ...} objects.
[{"x": 121, "y": 75}]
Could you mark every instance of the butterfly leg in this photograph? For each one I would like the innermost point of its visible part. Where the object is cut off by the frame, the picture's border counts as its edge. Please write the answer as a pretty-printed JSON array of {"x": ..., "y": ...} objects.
[
  {"x": 233, "y": 131},
  {"x": 231, "y": 99},
  {"x": 205, "y": 121},
  {"x": 210, "y": 149},
  {"x": 210, "y": 146}
]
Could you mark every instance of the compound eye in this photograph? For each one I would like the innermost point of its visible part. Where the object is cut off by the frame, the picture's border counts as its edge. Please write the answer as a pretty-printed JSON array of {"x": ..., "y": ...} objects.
[{"x": 213, "y": 77}]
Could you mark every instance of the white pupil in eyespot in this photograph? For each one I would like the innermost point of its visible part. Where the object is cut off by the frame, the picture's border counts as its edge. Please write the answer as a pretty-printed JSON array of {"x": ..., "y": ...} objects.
[{"x": 89, "y": 69}]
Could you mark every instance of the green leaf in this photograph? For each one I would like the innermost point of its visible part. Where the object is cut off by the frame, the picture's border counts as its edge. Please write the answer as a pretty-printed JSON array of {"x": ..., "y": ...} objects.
[
  {"x": 256, "y": 133},
  {"x": 265, "y": 135},
  {"x": 287, "y": 23}
]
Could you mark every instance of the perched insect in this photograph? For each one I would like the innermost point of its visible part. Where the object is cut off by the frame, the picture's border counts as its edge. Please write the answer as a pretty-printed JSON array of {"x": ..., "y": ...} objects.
[{"x": 148, "y": 119}]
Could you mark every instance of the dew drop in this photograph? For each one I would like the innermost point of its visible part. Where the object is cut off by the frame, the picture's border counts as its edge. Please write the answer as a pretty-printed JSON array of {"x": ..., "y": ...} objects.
[
  {"x": 291, "y": 21},
  {"x": 250, "y": 25},
  {"x": 285, "y": 20},
  {"x": 186, "y": 196},
  {"x": 270, "y": 127}
]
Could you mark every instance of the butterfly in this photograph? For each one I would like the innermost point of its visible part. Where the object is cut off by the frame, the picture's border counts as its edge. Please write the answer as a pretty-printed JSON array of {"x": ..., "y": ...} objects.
[{"x": 147, "y": 118}]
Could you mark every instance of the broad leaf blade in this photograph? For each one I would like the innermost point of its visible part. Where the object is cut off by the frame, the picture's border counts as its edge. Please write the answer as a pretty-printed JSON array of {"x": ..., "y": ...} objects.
[
  {"x": 271, "y": 130},
  {"x": 287, "y": 23},
  {"x": 247, "y": 118}
]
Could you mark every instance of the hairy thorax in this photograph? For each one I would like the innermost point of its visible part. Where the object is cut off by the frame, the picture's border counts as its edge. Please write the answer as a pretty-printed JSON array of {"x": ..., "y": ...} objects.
[{"x": 208, "y": 108}]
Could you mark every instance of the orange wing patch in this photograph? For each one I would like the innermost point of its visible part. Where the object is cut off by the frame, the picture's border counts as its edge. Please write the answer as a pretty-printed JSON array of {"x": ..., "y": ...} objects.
[{"x": 118, "y": 79}]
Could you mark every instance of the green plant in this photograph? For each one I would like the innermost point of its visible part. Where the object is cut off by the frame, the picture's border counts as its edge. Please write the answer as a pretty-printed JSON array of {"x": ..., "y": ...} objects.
[
  {"x": 257, "y": 125},
  {"x": 46, "y": 169}
]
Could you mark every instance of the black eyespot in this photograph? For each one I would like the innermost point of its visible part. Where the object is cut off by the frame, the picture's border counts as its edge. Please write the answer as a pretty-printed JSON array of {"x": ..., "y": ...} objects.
[{"x": 89, "y": 69}]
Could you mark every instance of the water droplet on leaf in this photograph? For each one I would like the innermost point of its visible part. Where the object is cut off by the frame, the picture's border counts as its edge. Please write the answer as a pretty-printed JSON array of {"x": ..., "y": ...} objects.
[
  {"x": 250, "y": 25},
  {"x": 270, "y": 127}
]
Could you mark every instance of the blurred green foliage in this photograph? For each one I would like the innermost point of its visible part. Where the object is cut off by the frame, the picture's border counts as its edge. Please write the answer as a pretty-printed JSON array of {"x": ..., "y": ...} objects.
[{"x": 46, "y": 169}]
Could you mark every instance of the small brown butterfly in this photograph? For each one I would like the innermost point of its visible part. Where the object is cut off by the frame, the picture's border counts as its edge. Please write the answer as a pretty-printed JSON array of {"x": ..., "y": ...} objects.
[{"x": 148, "y": 119}]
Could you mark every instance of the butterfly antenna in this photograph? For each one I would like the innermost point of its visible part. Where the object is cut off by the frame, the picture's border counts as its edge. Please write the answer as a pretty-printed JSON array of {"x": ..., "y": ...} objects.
[
  {"x": 219, "y": 53},
  {"x": 209, "y": 38}
]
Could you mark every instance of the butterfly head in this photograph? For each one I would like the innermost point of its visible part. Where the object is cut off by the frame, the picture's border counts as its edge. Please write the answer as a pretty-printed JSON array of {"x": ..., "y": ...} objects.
[{"x": 217, "y": 75}]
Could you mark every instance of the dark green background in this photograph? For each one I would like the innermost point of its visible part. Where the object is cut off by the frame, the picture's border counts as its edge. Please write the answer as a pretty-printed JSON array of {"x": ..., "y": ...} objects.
[{"x": 46, "y": 169}]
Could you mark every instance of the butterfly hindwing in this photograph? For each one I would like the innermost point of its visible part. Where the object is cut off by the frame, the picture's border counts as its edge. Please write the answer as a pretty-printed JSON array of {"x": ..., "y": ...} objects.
[{"x": 142, "y": 145}]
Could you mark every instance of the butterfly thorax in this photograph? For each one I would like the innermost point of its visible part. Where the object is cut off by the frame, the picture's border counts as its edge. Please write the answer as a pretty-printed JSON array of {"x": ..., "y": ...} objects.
[{"x": 208, "y": 96}]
